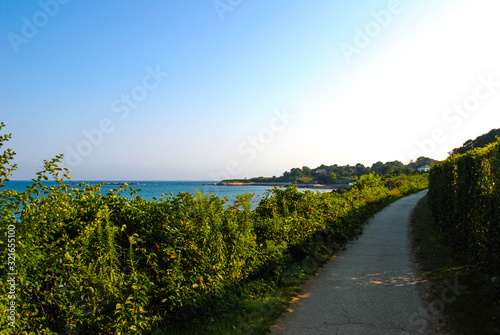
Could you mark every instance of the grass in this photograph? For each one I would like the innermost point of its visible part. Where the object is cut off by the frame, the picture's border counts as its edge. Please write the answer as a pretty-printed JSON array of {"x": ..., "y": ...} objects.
[
  {"x": 464, "y": 301},
  {"x": 304, "y": 180}
]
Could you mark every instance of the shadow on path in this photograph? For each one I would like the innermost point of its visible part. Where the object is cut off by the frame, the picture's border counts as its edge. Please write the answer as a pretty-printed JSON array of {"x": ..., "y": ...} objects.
[{"x": 370, "y": 288}]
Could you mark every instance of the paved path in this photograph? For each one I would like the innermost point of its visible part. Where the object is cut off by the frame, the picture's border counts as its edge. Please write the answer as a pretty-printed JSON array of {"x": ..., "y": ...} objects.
[{"x": 368, "y": 289}]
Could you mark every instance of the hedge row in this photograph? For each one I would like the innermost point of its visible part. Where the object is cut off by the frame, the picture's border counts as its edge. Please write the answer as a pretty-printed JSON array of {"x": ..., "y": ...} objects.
[
  {"x": 94, "y": 263},
  {"x": 465, "y": 200}
]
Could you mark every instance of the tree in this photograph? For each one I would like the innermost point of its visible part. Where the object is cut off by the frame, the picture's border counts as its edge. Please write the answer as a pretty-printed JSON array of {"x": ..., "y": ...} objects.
[
  {"x": 6, "y": 168},
  {"x": 295, "y": 173},
  {"x": 327, "y": 179},
  {"x": 342, "y": 171},
  {"x": 394, "y": 167},
  {"x": 397, "y": 164},
  {"x": 388, "y": 169},
  {"x": 361, "y": 170},
  {"x": 377, "y": 167},
  {"x": 306, "y": 171},
  {"x": 479, "y": 142}
]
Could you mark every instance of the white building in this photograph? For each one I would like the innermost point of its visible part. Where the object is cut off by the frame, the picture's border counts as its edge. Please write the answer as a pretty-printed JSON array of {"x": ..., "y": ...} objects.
[{"x": 424, "y": 168}]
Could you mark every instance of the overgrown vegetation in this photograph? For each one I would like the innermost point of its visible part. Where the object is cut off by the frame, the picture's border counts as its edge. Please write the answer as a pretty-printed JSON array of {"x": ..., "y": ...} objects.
[
  {"x": 464, "y": 198},
  {"x": 95, "y": 263},
  {"x": 478, "y": 142},
  {"x": 465, "y": 201}
]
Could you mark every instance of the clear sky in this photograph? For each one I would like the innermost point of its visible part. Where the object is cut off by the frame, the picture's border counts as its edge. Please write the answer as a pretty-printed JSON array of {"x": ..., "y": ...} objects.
[{"x": 206, "y": 90}]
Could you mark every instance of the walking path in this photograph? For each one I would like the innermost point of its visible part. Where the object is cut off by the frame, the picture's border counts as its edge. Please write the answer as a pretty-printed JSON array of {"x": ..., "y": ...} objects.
[{"x": 368, "y": 289}]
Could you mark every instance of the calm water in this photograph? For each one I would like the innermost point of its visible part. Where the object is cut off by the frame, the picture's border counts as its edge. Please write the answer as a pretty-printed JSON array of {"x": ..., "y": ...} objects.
[{"x": 150, "y": 189}]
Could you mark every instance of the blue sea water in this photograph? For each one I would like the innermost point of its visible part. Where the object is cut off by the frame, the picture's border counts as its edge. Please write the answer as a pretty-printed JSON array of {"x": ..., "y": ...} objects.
[{"x": 155, "y": 189}]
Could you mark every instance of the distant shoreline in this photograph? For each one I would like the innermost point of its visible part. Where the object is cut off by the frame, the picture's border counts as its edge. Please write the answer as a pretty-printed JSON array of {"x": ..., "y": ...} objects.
[{"x": 313, "y": 186}]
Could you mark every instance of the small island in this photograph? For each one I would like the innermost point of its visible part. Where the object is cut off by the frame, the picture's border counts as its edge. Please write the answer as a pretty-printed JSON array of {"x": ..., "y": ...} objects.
[{"x": 119, "y": 183}]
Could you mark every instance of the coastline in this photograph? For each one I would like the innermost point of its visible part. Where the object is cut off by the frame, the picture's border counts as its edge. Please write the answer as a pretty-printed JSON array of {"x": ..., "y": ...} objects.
[{"x": 313, "y": 186}]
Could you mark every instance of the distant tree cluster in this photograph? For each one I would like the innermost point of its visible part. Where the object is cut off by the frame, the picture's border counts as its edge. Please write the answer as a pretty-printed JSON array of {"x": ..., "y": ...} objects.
[
  {"x": 479, "y": 142},
  {"x": 331, "y": 174}
]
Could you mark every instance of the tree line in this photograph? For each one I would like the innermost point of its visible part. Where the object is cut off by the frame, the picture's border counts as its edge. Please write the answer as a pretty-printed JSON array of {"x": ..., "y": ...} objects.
[{"x": 331, "y": 174}]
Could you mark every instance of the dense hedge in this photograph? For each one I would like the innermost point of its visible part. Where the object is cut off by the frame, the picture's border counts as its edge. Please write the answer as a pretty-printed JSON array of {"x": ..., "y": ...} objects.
[
  {"x": 465, "y": 200},
  {"x": 94, "y": 263}
]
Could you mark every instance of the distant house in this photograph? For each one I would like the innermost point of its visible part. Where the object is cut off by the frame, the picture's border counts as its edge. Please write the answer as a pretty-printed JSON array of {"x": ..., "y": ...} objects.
[
  {"x": 424, "y": 168},
  {"x": 320, "y": 171}
]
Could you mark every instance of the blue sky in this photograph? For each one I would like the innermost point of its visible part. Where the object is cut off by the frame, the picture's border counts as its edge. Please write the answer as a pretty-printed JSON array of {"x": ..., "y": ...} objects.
[{"x": 202, "y": 90}]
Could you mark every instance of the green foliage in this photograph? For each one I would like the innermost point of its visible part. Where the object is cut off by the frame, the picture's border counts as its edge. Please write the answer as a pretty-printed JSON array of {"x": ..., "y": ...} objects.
[
  {"x": 465, "y": 200},
  {"x": 336, "y": 174},
  {"x": 5, "y": 167},
  {"x": 327, "y": 179},
  {"x": 95, "y": 263}
]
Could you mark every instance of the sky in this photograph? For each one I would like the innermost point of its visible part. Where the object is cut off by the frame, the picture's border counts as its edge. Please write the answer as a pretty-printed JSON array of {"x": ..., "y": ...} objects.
[{"x": 211, "y": 90}]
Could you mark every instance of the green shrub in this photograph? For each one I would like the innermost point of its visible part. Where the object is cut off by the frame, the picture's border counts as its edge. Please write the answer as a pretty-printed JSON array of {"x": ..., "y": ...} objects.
[{"x": 95, "y": 263}]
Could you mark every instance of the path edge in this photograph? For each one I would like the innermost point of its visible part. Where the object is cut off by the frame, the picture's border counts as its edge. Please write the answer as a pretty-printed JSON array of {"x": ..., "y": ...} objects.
[{"x": 422, "y": 285}]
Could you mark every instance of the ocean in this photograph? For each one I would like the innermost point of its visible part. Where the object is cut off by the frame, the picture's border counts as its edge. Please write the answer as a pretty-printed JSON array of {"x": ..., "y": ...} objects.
[{"x": 155, "y": 189}]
